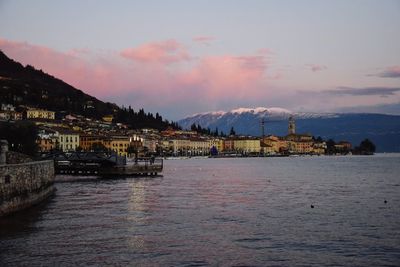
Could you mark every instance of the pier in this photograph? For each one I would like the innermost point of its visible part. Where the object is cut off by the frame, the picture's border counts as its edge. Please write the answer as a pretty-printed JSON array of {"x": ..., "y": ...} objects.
[{"x": 103, "y": 164}]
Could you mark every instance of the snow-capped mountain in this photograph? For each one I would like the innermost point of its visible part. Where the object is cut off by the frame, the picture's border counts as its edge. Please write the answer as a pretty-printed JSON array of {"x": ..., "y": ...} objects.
[
  {"x": 383, "y": 130},
  {"x": 208, "y": 119}
]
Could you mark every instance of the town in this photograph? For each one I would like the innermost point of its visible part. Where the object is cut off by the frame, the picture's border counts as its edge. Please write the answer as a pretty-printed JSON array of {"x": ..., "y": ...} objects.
[{"x": 71, "y": 132}]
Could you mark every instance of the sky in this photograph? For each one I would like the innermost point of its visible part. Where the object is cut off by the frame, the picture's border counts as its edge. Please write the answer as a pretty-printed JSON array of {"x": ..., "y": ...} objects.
[{"x": 180, "y": 57}]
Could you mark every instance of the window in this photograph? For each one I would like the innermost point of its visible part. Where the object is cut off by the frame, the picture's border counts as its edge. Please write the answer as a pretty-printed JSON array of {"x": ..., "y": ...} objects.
[{"x": 7, "y": 179}]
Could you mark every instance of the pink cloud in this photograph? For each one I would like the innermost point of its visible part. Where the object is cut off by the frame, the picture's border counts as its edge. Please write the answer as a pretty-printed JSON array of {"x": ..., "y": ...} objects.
[
  {"x": 80, "y": 68},
  {"x": 227, "y": 76},
  {"x": 146, "y": 79},
  {"x": 166, "y": 52},
  {"x": 78, "y": 51},
  {"x": 316, "y": 67},
  {"x": 206, "y": 40}
]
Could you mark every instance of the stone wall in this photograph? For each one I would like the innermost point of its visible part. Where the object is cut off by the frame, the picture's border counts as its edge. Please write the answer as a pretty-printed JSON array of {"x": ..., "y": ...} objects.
[
  {"x": 15, "y": 158},
  {"x": 25, "y": 184}
]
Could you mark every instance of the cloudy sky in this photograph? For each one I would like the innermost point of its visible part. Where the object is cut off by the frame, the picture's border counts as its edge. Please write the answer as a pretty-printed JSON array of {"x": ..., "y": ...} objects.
[{"x": 180, "y": 57}]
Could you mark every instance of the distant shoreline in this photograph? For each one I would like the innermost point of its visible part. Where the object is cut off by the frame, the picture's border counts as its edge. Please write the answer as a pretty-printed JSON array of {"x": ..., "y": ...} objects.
[{"x": 288, "y": 156}]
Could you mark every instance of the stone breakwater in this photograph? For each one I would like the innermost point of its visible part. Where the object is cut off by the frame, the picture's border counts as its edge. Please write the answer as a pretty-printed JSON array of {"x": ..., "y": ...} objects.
[{"x": 25, "y": 184}]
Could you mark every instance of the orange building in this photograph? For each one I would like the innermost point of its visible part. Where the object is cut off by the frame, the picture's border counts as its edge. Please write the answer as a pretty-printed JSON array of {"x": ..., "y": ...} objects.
[
  {"x": 87, "y": 141},
  {"x": 229, "y": 145},
  {"x": 46, "y": 144}
]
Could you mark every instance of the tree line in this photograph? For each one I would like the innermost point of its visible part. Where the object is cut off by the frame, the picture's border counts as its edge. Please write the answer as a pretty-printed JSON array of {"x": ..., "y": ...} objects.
[
  {"x": 366, "y": 147},
  {"x": 207, "y": 131},
  {"x": 141, "y": 119}
]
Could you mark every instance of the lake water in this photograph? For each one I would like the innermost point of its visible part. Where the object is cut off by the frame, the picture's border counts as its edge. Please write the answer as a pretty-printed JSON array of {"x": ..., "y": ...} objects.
[{"x": 219, "y": 212}]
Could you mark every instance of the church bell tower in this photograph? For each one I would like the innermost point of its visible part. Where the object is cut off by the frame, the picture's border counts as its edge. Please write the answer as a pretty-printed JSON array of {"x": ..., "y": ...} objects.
[{"x": 292, "y": 125}]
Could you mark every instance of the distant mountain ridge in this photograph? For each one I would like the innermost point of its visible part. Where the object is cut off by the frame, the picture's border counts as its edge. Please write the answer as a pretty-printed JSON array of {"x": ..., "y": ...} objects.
[
  {"x": 262, "y": 112},
  {"x": 383, "y": 130},
  {"x": 28, "y": 86}
]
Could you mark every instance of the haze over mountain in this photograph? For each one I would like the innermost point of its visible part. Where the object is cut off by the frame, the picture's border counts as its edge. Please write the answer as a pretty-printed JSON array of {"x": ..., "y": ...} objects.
[{"x": 382, "y": 129}]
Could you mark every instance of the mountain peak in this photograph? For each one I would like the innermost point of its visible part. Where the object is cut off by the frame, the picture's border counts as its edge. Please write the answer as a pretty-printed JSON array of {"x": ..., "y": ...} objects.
[
  {"x": 216, "y": 113},
  {"x": 259, "y": 110},
  {"x": 383, "y": 130}
]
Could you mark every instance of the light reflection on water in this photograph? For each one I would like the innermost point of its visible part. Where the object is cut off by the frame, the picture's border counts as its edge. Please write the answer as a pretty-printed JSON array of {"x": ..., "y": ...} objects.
[{"x": 219, "y": 212}]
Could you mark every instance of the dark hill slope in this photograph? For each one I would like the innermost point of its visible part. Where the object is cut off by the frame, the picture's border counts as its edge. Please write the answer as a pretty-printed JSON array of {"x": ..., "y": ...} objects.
[{"x": 28, "y": 86}]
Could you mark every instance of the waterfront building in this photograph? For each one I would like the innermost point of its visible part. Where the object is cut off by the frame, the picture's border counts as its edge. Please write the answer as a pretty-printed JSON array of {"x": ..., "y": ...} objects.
[
  {"x": 164, "y": 147},
  {"x": 46, "y": 144},
  {"x": 118, "y": 144},
  {"x": 319, "y": 148},
  {"x": 299, "y": 137},
  {"x": 199, "y": 146},
  {"x": 301, "y": 147},
  {"x": 47, "y": 140},
  {"x": 40, "y": 114},
  {"x": 68, "y": 140},
  {"x": 86, "y": 141},
  {"x": 267, "y": 149},
  {"x": 273, "y": 144},
  {"x": 228, "y": 145},
  {"x": 247, "y": 145},
  {"x": 149, "y": 143},
  {"x": 343, "y": 147},
  {"x": 300, "y": 143},
  {"x": 218, "y": 143},
  {"x": 179, "y": 146}
]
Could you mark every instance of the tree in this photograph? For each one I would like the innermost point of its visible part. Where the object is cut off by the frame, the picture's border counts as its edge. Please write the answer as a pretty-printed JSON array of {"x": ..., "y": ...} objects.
[
  {"x": 366, "y": 147},
  {"x": 216, "y": 133},
  {"x": 318, "y": 139},
  {"x": 232, "y": 131},
  {"x": 330, "y": 147},
  {"x": 21, "y": 136}
]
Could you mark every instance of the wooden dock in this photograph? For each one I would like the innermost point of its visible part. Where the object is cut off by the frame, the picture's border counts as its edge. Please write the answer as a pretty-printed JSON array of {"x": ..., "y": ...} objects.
[
  {"x": 106, "y": 165},
  {"x": 143, "y": 167}
]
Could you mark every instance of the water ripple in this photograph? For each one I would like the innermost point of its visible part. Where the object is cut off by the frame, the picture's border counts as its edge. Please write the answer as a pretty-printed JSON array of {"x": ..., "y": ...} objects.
[{"x": 218, "y": 212}]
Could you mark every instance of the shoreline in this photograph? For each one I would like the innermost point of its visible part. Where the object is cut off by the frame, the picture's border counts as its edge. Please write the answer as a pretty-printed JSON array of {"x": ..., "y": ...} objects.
[{"x": 276, "y": 156}]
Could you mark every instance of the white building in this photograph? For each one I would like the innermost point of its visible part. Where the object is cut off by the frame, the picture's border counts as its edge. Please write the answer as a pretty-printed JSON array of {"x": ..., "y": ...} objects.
[{"x": 68, "y": 140}]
